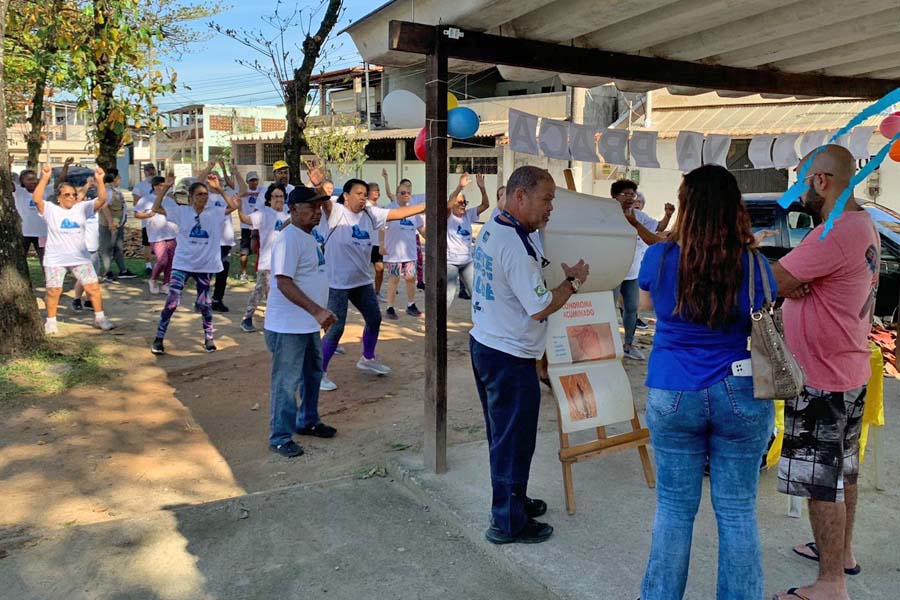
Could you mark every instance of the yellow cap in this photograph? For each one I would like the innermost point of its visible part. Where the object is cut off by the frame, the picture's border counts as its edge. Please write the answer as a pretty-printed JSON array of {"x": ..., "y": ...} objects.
[{"x": 279, "y": 164}]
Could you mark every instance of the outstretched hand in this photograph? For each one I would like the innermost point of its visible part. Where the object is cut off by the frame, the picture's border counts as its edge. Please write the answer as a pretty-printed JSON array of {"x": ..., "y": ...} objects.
[
  {"x": 580, "y": 271},
  {"x": 464, "y": 180},
  {"x": 46, "y": 171},
  {"x": 99, "y": 173},
  {"x": 479, "y": 181}
]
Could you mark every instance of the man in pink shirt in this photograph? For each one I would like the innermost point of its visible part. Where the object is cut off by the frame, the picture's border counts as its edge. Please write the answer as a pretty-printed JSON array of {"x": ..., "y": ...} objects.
[{"x": 830, "y": 288}]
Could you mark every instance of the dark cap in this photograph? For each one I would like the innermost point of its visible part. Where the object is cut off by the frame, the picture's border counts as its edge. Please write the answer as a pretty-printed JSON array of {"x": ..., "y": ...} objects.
[
  {"x": 148, "y": 166},
  {"x": 301, "y": 194}
]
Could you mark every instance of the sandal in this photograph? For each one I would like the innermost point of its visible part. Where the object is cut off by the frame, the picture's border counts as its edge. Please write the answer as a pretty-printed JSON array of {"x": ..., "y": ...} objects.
[
  {"x": 815, "y": 557},
  {"x": 791, "y": 592}
]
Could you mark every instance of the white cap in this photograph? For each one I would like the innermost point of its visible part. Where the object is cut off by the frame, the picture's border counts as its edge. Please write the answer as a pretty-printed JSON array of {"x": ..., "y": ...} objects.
[{"x": 252, "y": 175}]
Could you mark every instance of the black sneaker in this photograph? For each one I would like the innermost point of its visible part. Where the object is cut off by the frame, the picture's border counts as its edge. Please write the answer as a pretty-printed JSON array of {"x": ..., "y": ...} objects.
[
  {"x": 534, "y": 532},
  {"x": 247, "y": 325},
  {"x": 89, "y": 304},
  {"x": 109, "y": 277},
  {"x": 420, "y": 286},
  {"x": 157, "y": 347},
  {"x": 391, "y": 313},
  {"x": 413, "y": 311},
  {"x": 76, "y": 304},
  {"x": 464, "y": 295},
  {"x": 289, "y": 449},
  {"x": 219, "y": 306},
  {"x": 534, "y": 507},
  {"x": 209, "y": 346},
  {"x": 642, "y": 325},
  {"x": 318, "y": 430},
  {"x": 148, "y": 271},
  {"x": 126, "y": 274}
]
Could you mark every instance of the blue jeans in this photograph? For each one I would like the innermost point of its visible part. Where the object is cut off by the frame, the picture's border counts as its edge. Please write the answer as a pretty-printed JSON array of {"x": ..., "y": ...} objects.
[
  {"x": 296, "y": 367},
  {"x": 511, "y": 399},
  {"x": 631, "y": 295},
  {"x": 726, "y": 424},
  {"x": 465, "y": 272}
]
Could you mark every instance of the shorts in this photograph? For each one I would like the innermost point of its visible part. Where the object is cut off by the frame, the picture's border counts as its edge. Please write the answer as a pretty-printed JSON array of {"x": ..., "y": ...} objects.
[
  {"x": 145, "y": 241},
  {"x": 820, "y": 453},
  {"x": 54, "y": 276},
  {"x": 402, "y": 269},
  {"x": 248, "y": 236},
  {"x": 376, "y": 255}
]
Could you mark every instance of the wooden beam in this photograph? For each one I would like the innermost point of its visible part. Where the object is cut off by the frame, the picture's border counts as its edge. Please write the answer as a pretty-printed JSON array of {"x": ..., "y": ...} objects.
[
  {"x": 435, "y": 449},
  {"x": 515, "y": 52}
]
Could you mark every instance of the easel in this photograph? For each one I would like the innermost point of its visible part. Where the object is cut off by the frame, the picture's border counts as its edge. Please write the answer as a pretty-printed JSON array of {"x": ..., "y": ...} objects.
[{"x": 638, "y": 437}]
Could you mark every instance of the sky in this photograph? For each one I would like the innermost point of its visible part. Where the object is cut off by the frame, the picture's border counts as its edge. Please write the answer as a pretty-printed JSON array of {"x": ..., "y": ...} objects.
[{"x": 210, "y": 69}]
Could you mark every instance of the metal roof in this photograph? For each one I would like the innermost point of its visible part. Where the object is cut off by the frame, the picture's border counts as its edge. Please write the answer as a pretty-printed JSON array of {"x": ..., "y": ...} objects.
[{"x": 833, "y": 37}]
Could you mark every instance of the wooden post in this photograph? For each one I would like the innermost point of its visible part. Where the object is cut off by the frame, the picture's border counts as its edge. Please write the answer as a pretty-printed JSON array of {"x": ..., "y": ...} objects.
[{"x": 435, "y": 449}]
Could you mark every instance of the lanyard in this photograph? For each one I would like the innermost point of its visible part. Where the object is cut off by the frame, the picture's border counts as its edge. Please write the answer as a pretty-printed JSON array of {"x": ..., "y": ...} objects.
[{"x": 526, "y": 239}]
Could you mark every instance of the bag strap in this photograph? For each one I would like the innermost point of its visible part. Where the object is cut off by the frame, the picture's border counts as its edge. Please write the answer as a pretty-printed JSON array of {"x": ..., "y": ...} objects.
[
  {"x": 751, "y": 263},
  {"x": 767, "y": 285}
]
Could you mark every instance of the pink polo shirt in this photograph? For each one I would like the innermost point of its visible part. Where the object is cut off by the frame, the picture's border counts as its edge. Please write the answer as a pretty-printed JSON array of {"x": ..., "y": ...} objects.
[{"x": 828, "y": 329}]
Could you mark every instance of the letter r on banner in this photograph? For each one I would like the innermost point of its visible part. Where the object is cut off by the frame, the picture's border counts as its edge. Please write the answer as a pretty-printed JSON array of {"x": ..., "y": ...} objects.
[{"x": 612, "y": 146}]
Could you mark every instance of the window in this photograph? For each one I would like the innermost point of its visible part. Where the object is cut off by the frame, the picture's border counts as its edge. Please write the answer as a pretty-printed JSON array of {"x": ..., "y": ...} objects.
[
  {"x": 246, "y": 154},
  {"x": 519, "y": 92},
  {"x": 484, "y": 165},
  {"x": 272, "y": 153},
  {"x": 752, "y": 180},
  {"x": 799, "y": 225}
]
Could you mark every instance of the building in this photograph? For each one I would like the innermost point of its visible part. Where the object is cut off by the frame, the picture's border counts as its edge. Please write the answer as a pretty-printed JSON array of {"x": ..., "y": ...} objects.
[{"x": 65, "y": 134}]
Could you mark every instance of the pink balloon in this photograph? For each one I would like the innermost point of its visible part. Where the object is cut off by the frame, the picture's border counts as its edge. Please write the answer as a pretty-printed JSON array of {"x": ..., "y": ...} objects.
[{"x": 890, "y": 126}]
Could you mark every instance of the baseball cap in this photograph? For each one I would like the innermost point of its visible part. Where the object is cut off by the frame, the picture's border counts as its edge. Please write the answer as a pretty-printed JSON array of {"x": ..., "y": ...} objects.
[
  {"x": 148, "y": 166},
  {"x": 279, "y": 164},
  {"x": 252, "y": 175},
  {"x": 302, "y": 194}
]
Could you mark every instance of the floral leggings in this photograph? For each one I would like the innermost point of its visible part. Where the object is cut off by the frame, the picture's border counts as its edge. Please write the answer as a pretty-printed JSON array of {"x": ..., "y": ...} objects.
[
  {"x": 204, "y": 304},
  {"x": 259, "y": 292}
]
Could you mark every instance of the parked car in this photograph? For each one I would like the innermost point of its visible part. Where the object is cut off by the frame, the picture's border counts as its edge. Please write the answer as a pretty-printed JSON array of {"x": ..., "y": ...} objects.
[{"x": 789, "y": 227}]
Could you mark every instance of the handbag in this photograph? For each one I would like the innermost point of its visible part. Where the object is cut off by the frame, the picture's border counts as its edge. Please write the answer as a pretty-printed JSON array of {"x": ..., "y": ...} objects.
[{"x": 776, "y": 373}]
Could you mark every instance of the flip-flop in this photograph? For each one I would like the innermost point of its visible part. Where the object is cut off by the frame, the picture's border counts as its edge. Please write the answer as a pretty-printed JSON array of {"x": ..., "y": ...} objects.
[
  {"x": 790, "y": 592},
  {"x": 815, "y": 557}
]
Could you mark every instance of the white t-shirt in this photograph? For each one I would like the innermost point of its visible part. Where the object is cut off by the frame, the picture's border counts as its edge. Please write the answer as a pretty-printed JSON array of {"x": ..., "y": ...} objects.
[
  {"x": 32, "y": 223},
  {"x": 400, "y": 238},
  {"x": 295, "y": 253},
  {"x": 288, "y": 188},
  {"x": 268, "y": 221},
  {"x": 158, "y": 227},
  {"x": 639, "y": 250},
  {"x": 199, "y": 237},
  {"x": 348, "y": 247},
  {"x": 459, "y": 237},
  {"x": 254, "y": 201},
  {"x": 65, "y": 234},
  {"x": 92, "y": 233},
  {"x": 217, "y": 201},
  {"x": 142, "y": 189},
  {"x": 509, "y": 288}
]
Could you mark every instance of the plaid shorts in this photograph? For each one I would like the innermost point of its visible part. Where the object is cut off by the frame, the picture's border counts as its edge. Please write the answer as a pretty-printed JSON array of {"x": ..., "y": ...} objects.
[
  {"x": 820, "y": 454},
  {"x": 54, "y": 276},
  {"x": 401, "y": 269}
]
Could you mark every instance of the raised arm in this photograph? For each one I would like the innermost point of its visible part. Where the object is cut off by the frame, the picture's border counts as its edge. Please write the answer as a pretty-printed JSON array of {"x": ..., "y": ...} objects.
[
  {"x": 163, "y": 190},
  {"x": 202, "y": 175},
  {"x": 215, "y": 184},
  {"x": 664, "y": 224},
  {"x": 38, "y": 193},
  {"x": 647, "y": 236},
  {"x": 65, "y": 170},
  {"x": 228, "y": 181},
  {"x": 395, "y": 214},
  {"x": 315, "y": 172},
  {"x": 485, "y": 201},
  {"x": 242, "y": 185},
  {"x": 245, "y": 219},
  {"x": 463, "y": 182},
  {"x": 387, "y": 185},
  {"x": 100, "y": 202}
]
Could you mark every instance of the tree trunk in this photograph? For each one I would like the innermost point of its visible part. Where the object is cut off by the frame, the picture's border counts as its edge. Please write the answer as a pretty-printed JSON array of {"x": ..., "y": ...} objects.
[
  {"x": 35, "y": 136},
  {"x": 298, "y": 89},
  {"x": 20, "y": 321},
  {"x": 109, "y": 134}
]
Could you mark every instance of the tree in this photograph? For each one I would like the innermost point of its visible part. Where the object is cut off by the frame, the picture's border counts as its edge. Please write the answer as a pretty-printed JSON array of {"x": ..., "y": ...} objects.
[
  {"x": 20, "y": 321},
  {"x": 339, "y": 145},
  {"x": 279, "y": 64}
]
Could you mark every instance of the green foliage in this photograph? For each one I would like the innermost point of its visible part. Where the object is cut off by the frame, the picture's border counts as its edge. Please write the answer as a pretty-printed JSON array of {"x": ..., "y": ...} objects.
[{"x": 339, "y": 145}]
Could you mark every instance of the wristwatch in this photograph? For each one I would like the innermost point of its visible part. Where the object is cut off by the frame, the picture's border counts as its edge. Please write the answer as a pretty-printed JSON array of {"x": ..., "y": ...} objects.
[{"x": 575, "y": 283}]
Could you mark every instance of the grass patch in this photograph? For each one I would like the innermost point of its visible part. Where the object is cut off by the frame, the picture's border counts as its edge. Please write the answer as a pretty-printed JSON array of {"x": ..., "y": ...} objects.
[{"x": 59, "y": 365}]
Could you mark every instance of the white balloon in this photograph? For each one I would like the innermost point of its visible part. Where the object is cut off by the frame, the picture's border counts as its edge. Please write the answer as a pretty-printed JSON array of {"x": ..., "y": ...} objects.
[{"x": 404, "y": 110}]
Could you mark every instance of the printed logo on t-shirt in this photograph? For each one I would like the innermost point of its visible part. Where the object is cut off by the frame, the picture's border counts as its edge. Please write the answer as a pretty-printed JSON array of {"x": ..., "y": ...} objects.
[
  {"x": 218, "y": 203},
  {"x": 404, "y": 222},
  {"x": 252, "y": 200},
  {"x": 31, "y": 204},
  {"x": 463, "y": 232},
  {"x": 360, "y": 234},
  {"x": 198, "y": 232},
  {"x": 278, "y": 224},
  {"x": 320, "y": 255},
  {"x": 487, "y": 234},
  {"x": 69, "y": 224},
  {"x": 540, "y": 290},
  {"x": 318, "y": 236},
  {"x": 484, "y": 274}
]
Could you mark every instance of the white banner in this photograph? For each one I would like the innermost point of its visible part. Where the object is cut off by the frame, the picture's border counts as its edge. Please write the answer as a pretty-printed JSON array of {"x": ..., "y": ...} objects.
[
  {"x": 554, "y": 140},
  {"x": 859, "y": 142},
  {"x": 523, "y": 132},
  {"x": 581, "y": 143},
  {"x": 715, "y": 149},
  {"x": 643, "y": 149},
  {"x": 784, "y": 152},
  {"x": 760, "y": 151},
  {"x": 689, "y": 150},
  {"x": 613, "y": 146},
  {"x": 811, "y": 140}
]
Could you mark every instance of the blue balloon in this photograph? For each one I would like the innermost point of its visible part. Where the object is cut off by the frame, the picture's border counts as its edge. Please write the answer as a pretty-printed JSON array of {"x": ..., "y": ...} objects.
[{"x": 462, "y": 123}]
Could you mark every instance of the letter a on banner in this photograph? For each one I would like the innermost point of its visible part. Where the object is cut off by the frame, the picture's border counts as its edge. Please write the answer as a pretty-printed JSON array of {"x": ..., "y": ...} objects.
[
  {"x": 715, "y": 149},
  {"x": 554, "y": 140},
  {"x": 689, "y": 150},
  {"x": 523, "y": 132},
  {"x": 612, "y": 146},
  {"x": 581, "y": 143},
  {"x": 643, "y": 149}
]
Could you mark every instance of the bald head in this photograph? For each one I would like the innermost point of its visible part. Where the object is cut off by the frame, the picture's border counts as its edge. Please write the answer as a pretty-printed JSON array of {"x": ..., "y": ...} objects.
[
  {"x": 828, "y": 176},
  {"x": 833, "y": 159}
]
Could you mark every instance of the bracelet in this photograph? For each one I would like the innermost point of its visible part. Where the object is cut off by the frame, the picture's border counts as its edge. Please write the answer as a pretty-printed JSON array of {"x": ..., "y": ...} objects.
[{"x": 575, "y": 283}]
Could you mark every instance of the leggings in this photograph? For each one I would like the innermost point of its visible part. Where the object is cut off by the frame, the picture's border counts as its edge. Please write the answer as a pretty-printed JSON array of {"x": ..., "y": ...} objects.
[
  {"x": 28, "y": 241},
  {"x": 165, "y": 252},
  {"x": 222, "y": 276},
  {"x": 420, "y": 261},
  {"x": 366, "y": 302},
  {"x": 459, "y": 276},
  {"x": 259, "y": 292},
  {"x": 112, "y": 247},
  {"x": 176, "y": 286}
]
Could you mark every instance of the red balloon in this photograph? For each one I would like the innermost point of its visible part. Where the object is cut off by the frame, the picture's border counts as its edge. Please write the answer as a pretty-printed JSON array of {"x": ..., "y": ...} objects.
[
  {"x": 890, "y": 126},
  {"x": 895, "y": 151},
  {"x": 419, "y": 145}
]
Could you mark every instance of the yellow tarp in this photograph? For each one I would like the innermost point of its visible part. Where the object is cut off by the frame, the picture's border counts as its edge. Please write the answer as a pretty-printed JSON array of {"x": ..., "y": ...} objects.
[{"x": 873, "y": 414}]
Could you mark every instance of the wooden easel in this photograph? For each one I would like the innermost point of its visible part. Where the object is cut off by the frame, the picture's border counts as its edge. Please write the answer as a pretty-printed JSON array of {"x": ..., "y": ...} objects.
[{"x": 638, "y": 437}]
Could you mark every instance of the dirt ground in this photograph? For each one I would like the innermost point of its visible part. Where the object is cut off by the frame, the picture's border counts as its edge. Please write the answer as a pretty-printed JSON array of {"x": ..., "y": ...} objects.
[{"x": 191, "y": 427}]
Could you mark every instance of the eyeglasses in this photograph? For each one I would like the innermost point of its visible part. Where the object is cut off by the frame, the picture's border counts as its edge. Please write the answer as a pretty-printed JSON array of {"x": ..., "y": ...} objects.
[
  {"x": 820, "y": 173},
  {"x": 627, "y": 194}
]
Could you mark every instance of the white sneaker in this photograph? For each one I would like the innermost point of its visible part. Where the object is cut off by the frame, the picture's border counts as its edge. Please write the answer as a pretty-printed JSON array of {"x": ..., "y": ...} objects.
[
  {"x": 50, "y": 328},
  {"x": 164, "y": 289},
  {"x": 634, "y": 354},
  {"x": 154, "y": 287},
  {"x": 104, "y": 323},
  {"x": 244, "y": 278},
  {"x": 327, "y": 385},
  {"x": 373, "y": 366}
]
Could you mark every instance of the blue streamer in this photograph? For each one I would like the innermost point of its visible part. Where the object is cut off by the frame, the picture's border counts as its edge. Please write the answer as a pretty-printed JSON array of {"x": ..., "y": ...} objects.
[
  {"x": 801, "y": 187},
  {"x": 856, "y": 180}
]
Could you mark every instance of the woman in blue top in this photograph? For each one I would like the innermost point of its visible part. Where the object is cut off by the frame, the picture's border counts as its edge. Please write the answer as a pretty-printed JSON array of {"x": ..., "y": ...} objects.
[{"x": 696, "y": 407}]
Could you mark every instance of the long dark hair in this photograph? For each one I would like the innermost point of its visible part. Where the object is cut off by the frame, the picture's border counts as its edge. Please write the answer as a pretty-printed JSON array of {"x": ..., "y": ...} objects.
[{"x": 713, "y": 231}]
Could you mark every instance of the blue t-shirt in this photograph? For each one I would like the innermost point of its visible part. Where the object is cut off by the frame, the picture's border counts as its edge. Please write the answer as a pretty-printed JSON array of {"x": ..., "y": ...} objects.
[{"x": 686, "y": 355}]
